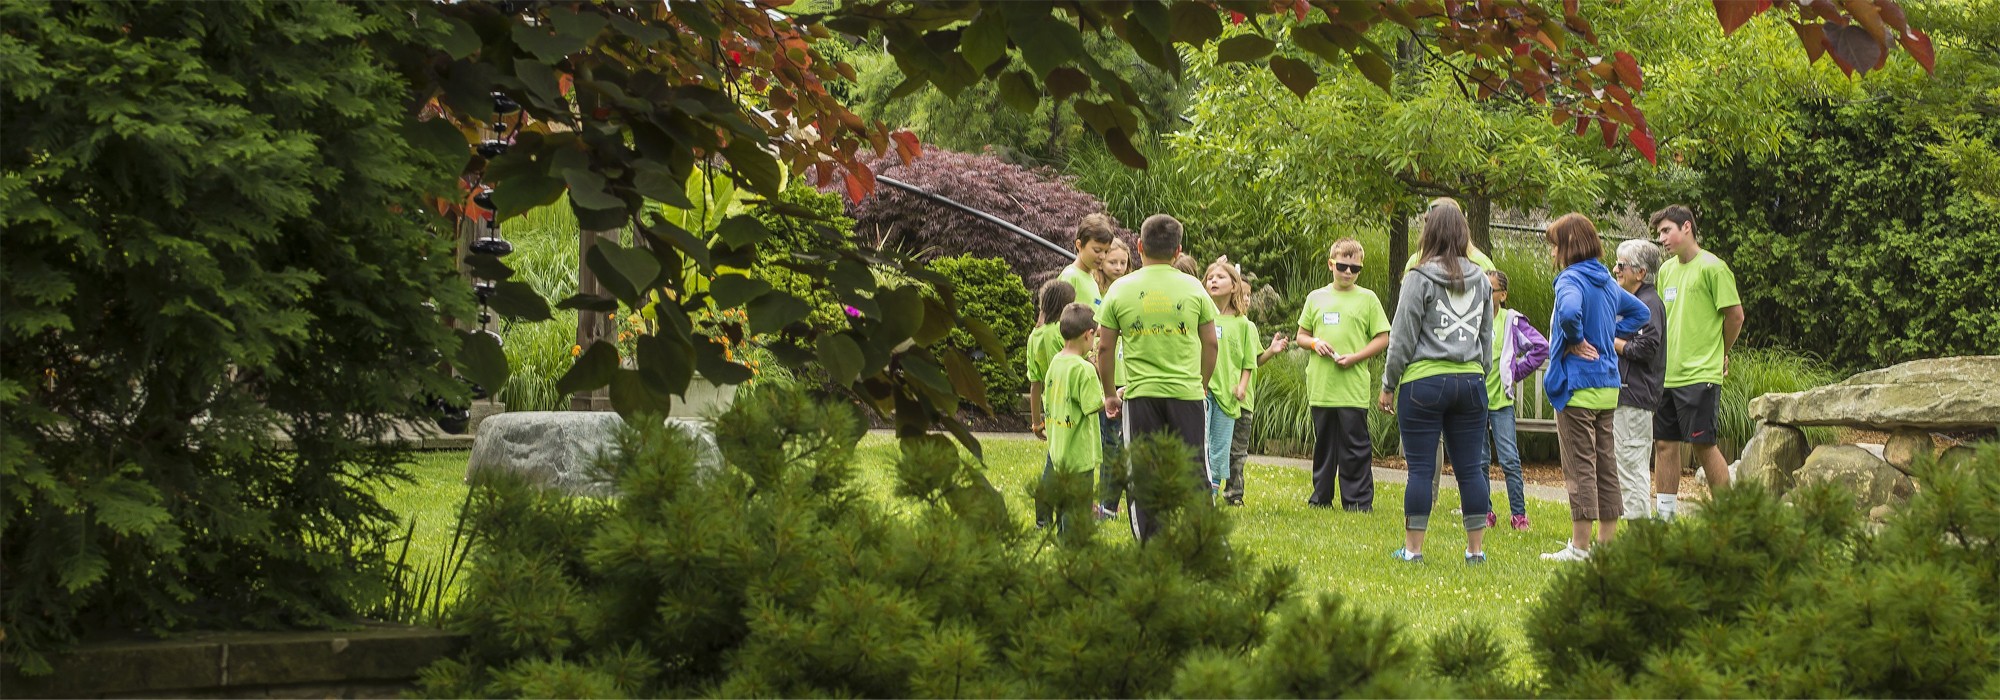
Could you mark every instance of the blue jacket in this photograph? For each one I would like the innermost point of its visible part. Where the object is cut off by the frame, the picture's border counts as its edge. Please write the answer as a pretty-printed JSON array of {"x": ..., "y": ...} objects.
[{"x": 1589, "y": 306}]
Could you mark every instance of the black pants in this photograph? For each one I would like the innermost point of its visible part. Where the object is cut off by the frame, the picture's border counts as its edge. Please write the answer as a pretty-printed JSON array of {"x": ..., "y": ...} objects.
[
  {"x": 1187, "y": 420},
  {"x": 1341, "y": 458}
]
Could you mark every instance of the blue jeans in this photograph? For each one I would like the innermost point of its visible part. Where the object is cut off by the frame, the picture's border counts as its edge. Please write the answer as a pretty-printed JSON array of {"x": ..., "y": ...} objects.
[
  {"x": 1508, "y": 450},
  {"x": 1221, "y": 432},
  {"x": 1453, "y": 405}
]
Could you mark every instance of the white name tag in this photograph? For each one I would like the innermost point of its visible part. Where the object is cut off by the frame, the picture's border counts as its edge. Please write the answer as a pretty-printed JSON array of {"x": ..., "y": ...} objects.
[
  {"x": 1331, "y": 318},
  {"x": 1218, "y": 332},
  {"x": 1671, "y": 294}
]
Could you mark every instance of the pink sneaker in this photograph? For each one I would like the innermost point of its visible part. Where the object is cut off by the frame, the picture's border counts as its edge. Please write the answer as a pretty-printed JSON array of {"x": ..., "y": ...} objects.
[{"x": 1520, "y": 522}]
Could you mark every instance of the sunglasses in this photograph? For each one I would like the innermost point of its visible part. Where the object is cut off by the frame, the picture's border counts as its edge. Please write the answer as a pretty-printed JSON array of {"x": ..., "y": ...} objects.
[{"x": 1344, "y": 267}]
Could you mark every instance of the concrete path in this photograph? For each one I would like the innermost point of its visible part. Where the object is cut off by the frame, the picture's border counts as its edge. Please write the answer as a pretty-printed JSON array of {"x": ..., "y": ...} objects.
[{"x": 1390, "y": 476}]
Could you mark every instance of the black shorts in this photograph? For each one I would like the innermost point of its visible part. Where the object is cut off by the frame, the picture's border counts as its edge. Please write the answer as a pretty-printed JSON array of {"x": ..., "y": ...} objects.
[{"x": 1688, "y": 414}]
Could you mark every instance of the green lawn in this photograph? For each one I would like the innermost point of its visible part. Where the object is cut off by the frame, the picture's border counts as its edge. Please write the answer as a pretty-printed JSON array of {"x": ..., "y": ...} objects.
[{"x": 1332, "y": 550}]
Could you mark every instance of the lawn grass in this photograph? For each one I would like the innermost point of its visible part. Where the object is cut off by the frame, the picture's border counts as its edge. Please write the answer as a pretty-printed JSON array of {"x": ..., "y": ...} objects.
[{"x": 1335, "y": 551}]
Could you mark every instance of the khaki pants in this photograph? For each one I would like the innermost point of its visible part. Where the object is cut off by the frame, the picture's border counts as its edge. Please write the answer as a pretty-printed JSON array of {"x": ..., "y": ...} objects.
[
  {"x": 1632, "y": 430},
  {"x": 1589, "y": 467}
]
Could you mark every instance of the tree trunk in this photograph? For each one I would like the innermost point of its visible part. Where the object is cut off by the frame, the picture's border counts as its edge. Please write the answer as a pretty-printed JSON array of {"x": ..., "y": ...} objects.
[
  {"x": 1479, "y": 215},
  {"x": 1399, "y": 250},
  {"x": 590, "y": 325}
]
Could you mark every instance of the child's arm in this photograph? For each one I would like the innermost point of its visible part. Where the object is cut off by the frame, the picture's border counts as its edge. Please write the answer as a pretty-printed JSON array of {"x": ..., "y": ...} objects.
[
  {"x": 1374, "y": 347},
  {"x": 1531, "y": 349},
  {"x": 1277, "y": 346},
  {"x": 1243, "y": 385},
  {"x": 1035, "y": 410}
]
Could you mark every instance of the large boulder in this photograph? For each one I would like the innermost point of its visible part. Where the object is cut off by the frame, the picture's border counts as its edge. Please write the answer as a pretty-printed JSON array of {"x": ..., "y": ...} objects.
[
  {"x": 1872, "y": 480},
  {"x": 563, "y": 449},
  {"x": 1773, "y": 455},
  {"x": 1943, "y": 394}
]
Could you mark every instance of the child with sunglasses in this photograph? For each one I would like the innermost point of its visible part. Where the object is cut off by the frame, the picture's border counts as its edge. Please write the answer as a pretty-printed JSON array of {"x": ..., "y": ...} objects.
[{"x": 1344, "y": 325}]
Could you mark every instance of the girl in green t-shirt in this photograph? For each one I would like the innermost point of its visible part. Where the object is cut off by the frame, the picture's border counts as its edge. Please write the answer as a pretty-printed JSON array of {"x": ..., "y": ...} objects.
[{"x": 1235, "y": 357}]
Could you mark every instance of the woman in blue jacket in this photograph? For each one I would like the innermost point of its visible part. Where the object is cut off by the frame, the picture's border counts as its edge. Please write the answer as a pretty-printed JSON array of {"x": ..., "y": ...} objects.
[{"x": 1582, "y": 380}]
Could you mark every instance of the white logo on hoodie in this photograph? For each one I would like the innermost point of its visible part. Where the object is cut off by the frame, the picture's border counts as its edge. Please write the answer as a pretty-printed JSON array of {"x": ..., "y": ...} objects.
[{"x": 1458, "y": 315}]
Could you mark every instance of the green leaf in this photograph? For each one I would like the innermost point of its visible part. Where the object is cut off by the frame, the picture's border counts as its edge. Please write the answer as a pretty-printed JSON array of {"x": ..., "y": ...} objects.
[
  {"x": 577, "y": 25},
  {"x": 1247, "y": 47},
  {"x": 696, "y": 17},
  {"x": 730, "y": 291},
  {"x": 549, "y": 48},
  {"x": 984, "y": 334},
  {"x": 965, "y": 379},
  {"x": 985, "y": 40},
  {"x": 589, "y": 302},
  {"x": 663, "y": 232},
  {"x": 586, "y": 190},
  {"x": 759, "y": 168},
  {"x": 83, "y": 569},
  {"x": 481, "y": 360},
  {"x": 1018, "y": 90},
  {"x": 488, "y": 267},
  {"x": 1046, "y": 43},
  {"x": 775, "y": 310},
  {"x": 1121, "y": 147},
  {"x": 932, "y": 380},
  {"x": 743, "y": 230},
  {"x": 902, "y": 312},
  {"x": 937, "y": 323},
  {"x": 666, "y": 362},
  {"x": 520, "y": 194},
  {"x": 634, "y": 399},
  {"x": 657, "y": 183},
  {"x": 541, "y": 81},
  {"x": 459, "y": 39},
  {"x": 468, "y": 88},
  {"x": 840, "y": 356},
  {"x": 1295, "y": 74},
  {"x": 708, "y": 358},
  {"x": 1376, "y": 69},
  {"x": 627, "y": 272},
  {"x": 518, "y": 300},
  {"x": 592, "y": 370},
  {"x": 1193, "y": 23},
  {"x": 441, "y": 140},
  {"x": 1066, "y": 81}
]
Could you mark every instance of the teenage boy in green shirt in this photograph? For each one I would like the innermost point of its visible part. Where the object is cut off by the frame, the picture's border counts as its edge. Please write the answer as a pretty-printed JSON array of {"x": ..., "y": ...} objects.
[
  {"x": 1093, "y": 242},
  {"x": 1071, "y": 404},
  {"x": 1343, "y": 325},
  {"x": 1704, "y": 317},
  {"x": 1168, "y": 324}
]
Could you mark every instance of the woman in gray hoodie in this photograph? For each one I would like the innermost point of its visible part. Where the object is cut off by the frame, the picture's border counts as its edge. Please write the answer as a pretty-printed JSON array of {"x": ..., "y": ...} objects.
[{"x": 1440, "y": 348}]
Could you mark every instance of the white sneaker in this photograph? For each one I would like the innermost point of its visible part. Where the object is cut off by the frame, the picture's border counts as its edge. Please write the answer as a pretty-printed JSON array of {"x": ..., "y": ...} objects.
[{"x": 1569, "y": 552}]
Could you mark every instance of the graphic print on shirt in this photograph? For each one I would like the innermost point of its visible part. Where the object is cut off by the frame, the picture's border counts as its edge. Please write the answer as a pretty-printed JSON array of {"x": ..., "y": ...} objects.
[{"x": 1458, "y": 316}]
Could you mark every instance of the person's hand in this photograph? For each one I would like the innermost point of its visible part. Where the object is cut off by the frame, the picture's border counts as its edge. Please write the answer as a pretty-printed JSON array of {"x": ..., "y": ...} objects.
[
  {"x": 1121, "y": 394},
  {"x": 1242, "y": 392},
  {"x": 1387, "y": 403},
  {"x": 1324, "y": 349},
  {"x": 1585, "y": 350},
  {"x": 1618, "y": 345},
  {"x": 1037, "y": 430},
  {"x": 1277, "y": 343},
  {"x": 1345, "y": 361},
  {"x": 1725, "y": 364},
  {"x": 1114, "y": 405}
]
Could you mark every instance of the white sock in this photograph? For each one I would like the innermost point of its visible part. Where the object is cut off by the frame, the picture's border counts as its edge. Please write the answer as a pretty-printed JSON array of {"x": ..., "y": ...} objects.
[{"x": 1665, "y": 503}]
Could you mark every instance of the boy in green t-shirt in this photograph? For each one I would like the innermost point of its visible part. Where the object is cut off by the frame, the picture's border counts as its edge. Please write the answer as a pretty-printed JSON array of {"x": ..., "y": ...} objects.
[
  {"x": 1071, "y": 404},
  {"x": 1343, "y": 325},
  {"x": 1704, "y": 316},
  {"x": 1168, "y": 324},
  {"x": 1093, "y": 242},
  {"x": 1043, "y": 344}
]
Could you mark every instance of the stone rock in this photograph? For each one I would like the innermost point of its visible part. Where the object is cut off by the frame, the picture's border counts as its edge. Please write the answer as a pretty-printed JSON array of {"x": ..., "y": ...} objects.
[
  {"x": 1871, "y": 479},
  {"x": 562, "y": 449},
  {"x": 1956, "y": 457},
  {"x": 1880, "y": 513},
  {"x": 1772, "y": 456},
  {"x": 1906, "y": 447},
  {"x": 1948, "y": 393}
]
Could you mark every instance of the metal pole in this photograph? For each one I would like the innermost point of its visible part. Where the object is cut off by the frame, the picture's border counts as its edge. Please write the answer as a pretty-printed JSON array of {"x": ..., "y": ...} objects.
[{"x": 989, "y": 218}]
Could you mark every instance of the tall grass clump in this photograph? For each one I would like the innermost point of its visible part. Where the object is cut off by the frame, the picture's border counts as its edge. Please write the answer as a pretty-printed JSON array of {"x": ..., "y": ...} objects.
[
  {"x": 546, "y": 257},
  {"x": 1283, "y": 423},
  {"x": 1754, "y": 372}
]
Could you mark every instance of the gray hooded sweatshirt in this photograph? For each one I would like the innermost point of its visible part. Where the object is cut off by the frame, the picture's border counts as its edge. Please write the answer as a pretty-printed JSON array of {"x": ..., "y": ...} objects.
[{"x": 1435, "y": 323}]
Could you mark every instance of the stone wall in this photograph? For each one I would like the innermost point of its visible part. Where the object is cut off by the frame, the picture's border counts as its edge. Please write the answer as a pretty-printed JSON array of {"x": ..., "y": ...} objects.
[{"x": 375, "y": 661}]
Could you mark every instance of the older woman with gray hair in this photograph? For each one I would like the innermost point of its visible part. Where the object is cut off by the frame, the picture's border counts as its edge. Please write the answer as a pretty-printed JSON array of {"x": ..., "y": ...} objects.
[{"x": 1643, "y": 369}]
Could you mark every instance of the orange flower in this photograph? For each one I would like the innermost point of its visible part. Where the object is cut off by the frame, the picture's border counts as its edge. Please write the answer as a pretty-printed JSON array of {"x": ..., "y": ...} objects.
[{"x": 575, "y": 350}]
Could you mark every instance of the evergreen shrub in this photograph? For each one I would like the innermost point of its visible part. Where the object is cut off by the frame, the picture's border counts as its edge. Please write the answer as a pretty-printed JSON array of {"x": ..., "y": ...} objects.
[
  {"x": 777, "y": 574},
  {"x": 208, "y": 246}
]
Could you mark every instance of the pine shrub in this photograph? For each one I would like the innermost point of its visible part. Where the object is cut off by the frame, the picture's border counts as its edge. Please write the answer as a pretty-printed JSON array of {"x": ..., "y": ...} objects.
[{"x": 777, "y": 574}]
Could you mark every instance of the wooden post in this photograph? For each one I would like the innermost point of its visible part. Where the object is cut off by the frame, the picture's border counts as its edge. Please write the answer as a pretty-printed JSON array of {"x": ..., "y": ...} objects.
[
  {"x": 590, "y": 325},
  {"x": 1479, "y": 217},
  {"x": 1399, "y": 250}
]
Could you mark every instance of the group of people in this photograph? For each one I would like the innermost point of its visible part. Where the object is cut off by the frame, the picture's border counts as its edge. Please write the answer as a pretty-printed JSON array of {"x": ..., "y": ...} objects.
[{"x": 1635, "y": 357}]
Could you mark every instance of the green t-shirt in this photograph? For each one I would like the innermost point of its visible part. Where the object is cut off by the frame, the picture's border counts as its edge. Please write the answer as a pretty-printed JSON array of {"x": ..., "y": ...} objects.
[
  {"x": 1496, "y": 386},
  {"x": 1348, "y": 320},
  {"x": 1043, "y": 343},
  {"x": 1236, "y": 350},
  {"x": 1071, "y": 396},
  {"x": 1695, "y": 293},
  {"x": 1472, "y": 253},
  {"x": 1158, "y": 313},
  {"x": 1603, "y": 398},
  {"x": 1085, "y": 284}
]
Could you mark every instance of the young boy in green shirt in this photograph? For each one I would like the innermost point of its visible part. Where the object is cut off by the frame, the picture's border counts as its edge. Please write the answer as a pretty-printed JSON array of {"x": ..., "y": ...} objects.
[
  {"x": 1704, "y": 316},
  {"x": 1343, "y": 325},
  {"x": 1072, "y": 401},
  {"x": 1043, "y": 344},
  {"x": 1168, "y": 324},
  {"x": 1093, "y": 243}
]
